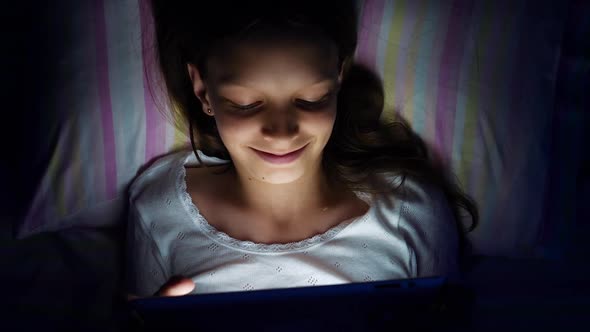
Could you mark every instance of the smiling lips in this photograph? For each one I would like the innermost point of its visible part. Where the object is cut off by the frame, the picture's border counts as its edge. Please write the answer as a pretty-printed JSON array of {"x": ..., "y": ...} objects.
[
  {"x": 283, "y": 154},
  {"x": 280, "y": 159}
]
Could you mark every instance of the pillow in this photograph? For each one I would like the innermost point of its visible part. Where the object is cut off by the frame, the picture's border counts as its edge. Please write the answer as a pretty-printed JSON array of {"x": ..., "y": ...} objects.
[
  {"x": 111, "y": 127},
  {"x": 474, "y": 78}
]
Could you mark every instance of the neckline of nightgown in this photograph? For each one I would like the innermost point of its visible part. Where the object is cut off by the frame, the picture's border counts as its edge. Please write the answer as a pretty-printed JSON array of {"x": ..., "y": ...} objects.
[{"x": 227, "y": 240}]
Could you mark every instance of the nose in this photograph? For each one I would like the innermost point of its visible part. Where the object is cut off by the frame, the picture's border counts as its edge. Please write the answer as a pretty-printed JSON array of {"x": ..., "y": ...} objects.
[{"x": 280, "y": 124}]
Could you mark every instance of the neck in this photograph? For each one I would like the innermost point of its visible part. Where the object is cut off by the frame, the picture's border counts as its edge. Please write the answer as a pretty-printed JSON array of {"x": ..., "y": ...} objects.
[{"x": 286, "y": 204}]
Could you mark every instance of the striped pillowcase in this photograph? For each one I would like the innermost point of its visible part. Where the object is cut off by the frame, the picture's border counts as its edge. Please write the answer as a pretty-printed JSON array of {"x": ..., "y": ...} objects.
[{"x": 474, "y": 78}]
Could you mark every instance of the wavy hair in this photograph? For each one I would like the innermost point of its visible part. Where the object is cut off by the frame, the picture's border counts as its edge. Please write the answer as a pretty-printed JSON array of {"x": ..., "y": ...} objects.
[{"x": 363, "y": 145}]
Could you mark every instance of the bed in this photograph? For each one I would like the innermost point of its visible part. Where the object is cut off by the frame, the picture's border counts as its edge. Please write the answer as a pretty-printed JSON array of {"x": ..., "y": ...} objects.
[{"x": 496, "y": 88}]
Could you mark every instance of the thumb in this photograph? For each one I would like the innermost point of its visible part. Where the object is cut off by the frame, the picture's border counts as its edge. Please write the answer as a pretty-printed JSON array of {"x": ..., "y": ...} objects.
[{"x": 176, "y": 286}]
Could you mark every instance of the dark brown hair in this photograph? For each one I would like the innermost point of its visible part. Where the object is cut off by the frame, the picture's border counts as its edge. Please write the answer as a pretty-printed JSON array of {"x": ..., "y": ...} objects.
[{"x": 362, "y": 146}]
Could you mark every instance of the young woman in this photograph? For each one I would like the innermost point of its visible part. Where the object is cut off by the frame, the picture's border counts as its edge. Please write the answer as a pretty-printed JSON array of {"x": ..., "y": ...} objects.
[{"x": 297, "y": 180}]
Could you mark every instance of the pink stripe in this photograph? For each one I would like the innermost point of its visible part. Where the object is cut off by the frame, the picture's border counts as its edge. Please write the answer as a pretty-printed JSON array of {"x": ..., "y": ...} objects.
[
  {"x": 369, "y": 32},
  {"x": 448, "y": 79},
  {"x": 106, "y": 112},
  {"x": 155, "y": 128},
  {"x": 433, "y": 67}
]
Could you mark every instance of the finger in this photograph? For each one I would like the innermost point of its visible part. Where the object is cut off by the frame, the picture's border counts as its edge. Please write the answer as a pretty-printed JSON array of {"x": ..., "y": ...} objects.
[
  {"x": 168, "y": 284},
  {"x": 177, "y": 287}
]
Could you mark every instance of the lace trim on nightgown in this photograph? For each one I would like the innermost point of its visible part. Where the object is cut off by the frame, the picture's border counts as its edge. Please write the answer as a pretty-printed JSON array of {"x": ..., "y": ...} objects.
[{"x": 222, "y": 237}]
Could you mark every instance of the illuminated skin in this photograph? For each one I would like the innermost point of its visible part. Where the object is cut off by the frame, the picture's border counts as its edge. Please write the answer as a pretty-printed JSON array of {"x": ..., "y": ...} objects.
[{"x": 278, "y": 76}]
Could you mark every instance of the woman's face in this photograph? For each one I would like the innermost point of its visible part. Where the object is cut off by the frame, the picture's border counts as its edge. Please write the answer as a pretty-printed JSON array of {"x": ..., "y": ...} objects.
[{"x": 276, "y": 95}]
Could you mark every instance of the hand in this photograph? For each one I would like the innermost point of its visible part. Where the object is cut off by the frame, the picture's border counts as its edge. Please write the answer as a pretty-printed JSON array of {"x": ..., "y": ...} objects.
[{"x": 176, "y": 286}]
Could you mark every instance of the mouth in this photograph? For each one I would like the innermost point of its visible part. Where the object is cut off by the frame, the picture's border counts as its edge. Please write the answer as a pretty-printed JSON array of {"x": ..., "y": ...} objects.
[{"x": 283, "y": 158}]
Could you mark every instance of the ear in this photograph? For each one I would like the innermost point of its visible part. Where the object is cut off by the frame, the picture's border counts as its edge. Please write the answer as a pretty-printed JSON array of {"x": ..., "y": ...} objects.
[{"x": 199, "y": 87}]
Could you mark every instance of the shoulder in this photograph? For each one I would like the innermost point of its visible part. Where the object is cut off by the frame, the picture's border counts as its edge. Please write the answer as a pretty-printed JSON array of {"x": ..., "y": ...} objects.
[
  {"x": 417, "y": 195},
  {"x": 159, "y": 176},
  {"x": 425, "y": 198},
  {"x": 160, "y": 189},
  {"x": 164, "y": 173},
  {"x": 425, "y": 207},
  {"x": 427, "y": 223}
]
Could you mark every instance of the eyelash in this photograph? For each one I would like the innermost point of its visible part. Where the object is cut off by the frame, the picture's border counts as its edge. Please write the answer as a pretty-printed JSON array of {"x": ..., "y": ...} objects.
[{"x": 307, "y": 104}]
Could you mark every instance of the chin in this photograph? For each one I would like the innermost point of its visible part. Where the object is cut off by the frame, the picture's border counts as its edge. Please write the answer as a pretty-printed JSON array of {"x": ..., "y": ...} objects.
[{"x": 278, "y": 175}]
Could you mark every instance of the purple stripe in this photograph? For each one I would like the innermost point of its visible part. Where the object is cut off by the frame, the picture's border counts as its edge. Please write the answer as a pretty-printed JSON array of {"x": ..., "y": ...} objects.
[
  {"x": 70, "y": 191},
  {"x": 35, "y": 216},
  {"x": 106, "y": 112},
  {"x": 369, "y": 33},
  {"x": 155, "y": 134},
  {"x": 448, "y": 78},
  {"x": 518, "y": 128}
]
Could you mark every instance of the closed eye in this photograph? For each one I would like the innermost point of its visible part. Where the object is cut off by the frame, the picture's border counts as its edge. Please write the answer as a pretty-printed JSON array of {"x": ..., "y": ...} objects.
[
  {"x": 317, "y": 103},
  {"x": 313, "y": 102},
  {"x": 247, "y": 107},
  {"x": 301, "y": 102}
]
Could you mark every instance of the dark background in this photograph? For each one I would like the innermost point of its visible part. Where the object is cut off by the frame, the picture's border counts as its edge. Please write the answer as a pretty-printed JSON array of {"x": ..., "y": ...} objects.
[{"x": 28, "y": 55}]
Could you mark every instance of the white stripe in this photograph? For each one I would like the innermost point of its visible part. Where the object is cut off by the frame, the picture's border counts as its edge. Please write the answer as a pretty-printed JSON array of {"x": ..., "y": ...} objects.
[
  {"x": 83, "y": 93},
  {"x": 126, "y": 86}
]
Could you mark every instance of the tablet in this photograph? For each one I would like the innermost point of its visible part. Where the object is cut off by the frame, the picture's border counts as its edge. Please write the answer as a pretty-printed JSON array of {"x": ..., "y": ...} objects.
[{"x": 364, "y": 306}]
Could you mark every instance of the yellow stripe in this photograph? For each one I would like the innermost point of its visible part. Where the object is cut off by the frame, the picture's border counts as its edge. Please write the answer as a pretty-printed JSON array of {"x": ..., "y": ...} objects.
[
  {"x": 178, "y": 124},
  {"x": 391, "y": 55},
  {"x": 179, "y": 139},
  {"x": 58, "y": 183}
]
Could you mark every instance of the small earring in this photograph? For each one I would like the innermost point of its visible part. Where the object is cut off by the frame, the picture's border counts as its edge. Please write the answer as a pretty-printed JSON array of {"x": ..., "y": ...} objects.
[{"x": 209, "y": 110}]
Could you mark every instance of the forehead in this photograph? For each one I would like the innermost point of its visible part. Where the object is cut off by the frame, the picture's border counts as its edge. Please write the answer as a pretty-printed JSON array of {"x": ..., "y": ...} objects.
[{"x": 274, "y": 59}]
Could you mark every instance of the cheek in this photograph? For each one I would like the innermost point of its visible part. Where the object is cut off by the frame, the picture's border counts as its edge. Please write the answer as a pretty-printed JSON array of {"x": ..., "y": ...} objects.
[
  {"x": 237, "y": 130},
  {"x": 234, "y": 131}
]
